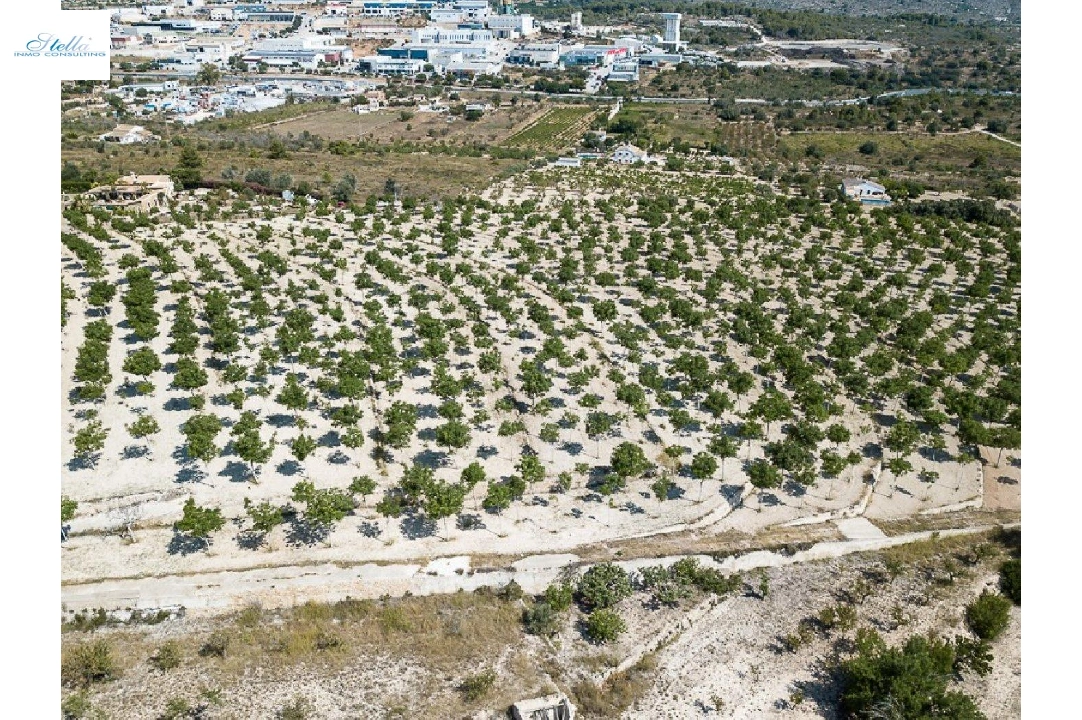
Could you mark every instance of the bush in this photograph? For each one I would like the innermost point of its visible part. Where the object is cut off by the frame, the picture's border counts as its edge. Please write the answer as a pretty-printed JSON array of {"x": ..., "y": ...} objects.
[
  {"x": 511, "y": 592},
  {"x": 75, "y": 707},
  {"x": 541, "y": 619},
  {"x": 168, "y": 657},
  {"x": 988, "y": 615},
  {"x": 88, "y": 663},
  {"x": 1010, "y": 580},
  {"x": 603, "y": 586},
  {"x": 477, "y": 686},
  {"x": 175, "y": 709},
  {"x": 559, "y": 596},
  {"x": 604, "y": 626},
  {"x": 215, "y": 646},
  {"x": 298, "y": 709},
  {"x": 869, "y": 148},
  {"x": 909, "y": 681}
]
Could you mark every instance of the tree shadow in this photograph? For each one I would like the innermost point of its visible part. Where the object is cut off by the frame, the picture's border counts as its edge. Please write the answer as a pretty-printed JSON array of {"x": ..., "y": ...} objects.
[
  {"x": 182, "y": 544},
  {"x": 633, "y": 508},
  {"x": 83, "y": 462},
  {"x": 469, "y": 521},
  {"x": 370, "y": 529},
  {"x": 289, "y": 467},
  {"x": 134, "y": 451},
  {"x": 278, "y": 420},
  {"x": 487, "y": 451},
  {"x": 872, "y": 451},
  {"x": 250, "y": 539},
  {"x": 430, "y": 458},
  {"x": 301, "y": 532},
  {"x": 769, "y": 499},
  {"x": 427, "y": 411},
  {"x": 795, "y": 489},
  {"x": 331, "y": 438},
  {"x": 572, "y": 448},
  {"x": 427, "y": 434},
  {"x": 338, "y": 457},
  {"x": 417, "y": 525},
  {"x": 235, "y": 471},
  {"x": 177, "y": 404},
  {"x": 675, "y": 492},
  {"x": 190, "y": 473}
]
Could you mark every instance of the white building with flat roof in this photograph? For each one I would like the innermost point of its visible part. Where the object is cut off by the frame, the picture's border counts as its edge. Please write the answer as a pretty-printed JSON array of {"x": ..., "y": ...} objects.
[
  {"x": 672, "y": 28},
  {"x": 512, "y": 26}
]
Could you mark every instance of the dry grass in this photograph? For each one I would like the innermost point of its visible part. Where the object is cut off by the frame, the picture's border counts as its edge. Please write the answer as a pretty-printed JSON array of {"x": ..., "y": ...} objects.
[
  {"x": 946, "y": 521},
  {"x": 423, "y": 176},
  {"x": 612, "y": 697},
  {"x": 387, "y": 125}
]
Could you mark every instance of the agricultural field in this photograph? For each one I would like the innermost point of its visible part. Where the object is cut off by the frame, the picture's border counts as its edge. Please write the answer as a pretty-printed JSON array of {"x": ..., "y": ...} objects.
[
  {"x": 558, "y": 129},
  {"x": 406, "y": 124},
  {"x": 564, "y": 359}
]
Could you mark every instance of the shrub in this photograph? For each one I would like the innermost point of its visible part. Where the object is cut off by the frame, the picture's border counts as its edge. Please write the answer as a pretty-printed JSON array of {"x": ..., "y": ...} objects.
[
  {"x": 604, "y": 585},
  {"x": 215, "y": 646},
  {"x": 298, "y": 709},
  {"x": 559, "y": 595},
  {"x": 988, "y": 615},
  {"x": 511, "y": 591},
  {"x": 88, "y": 663},
  {"x": 168, "y": 657},
  {"x": 175, "y": 709},
  {"x": 477, "y": 686},
  {"x": 541, "y": 619},
  {"x": 1010, "y": 580},
  {"x": 75, "y": 706},
  {"x": 908, "y": 681},
  {"x": 604, "y": 625}
]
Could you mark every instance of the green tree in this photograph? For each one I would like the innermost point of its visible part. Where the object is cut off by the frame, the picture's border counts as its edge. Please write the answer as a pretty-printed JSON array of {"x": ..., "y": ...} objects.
[
  {"x": 498, "y": 498},
  {"x": 208, "y": 74},
  {"x": 603, "y": 585},
  {"x": 531, "y": 469},
  {"x": 442, "y": 500},
  {"x": 535, "y": 381},
  {"x": 724, "y": 447},
  {"x": 189, "y": 375},
  {"x": 199, "y": 522},
  {"x": 703, "y": 467},
  {"x": 363, "y": 486},
  {"x": 453, "y": 435},
  {"x": 143, "y": 426},
  {"x": 188, "y": 172},
  {"x": 251, "y": 449},
  {"x": 604, "y": 625},
  {"x": 89, "y": 440},
  {"x": 988, "y": 615},
  {"x": 302, "y": 446},
  {"x": 293, "y": 396},
  {"x": 67, "y": 513},
  {"x": 265, "y": 516},
  {"x": 910, "y": 681},
  {"x": 200, "y": 432},
  {"x": 1010, "y": 580},
  {"x": 628, "y": 460}
]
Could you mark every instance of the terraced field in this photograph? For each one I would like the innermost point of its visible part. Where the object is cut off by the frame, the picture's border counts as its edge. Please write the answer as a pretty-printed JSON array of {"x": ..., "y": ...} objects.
[{"x": 592, "y": 354}]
